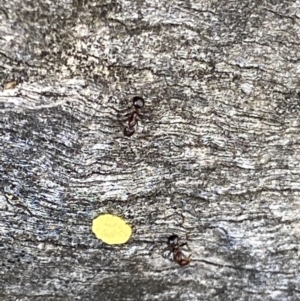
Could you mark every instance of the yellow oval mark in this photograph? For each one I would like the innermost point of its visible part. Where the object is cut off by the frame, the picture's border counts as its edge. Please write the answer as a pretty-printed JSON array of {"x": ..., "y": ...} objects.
[{"x": 111, "y": 229}]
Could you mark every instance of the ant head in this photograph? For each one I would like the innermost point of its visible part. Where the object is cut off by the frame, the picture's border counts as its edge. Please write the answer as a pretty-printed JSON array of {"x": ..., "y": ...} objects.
[
  {"x": 173, "y": 240},
  {"x": 138, "y": 102}
]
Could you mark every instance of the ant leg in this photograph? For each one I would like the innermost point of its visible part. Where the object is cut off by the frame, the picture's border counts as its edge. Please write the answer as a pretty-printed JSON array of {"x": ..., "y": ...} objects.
[
  {"x": 186, "y": 249},
  {"x": 185, "y": 242}
]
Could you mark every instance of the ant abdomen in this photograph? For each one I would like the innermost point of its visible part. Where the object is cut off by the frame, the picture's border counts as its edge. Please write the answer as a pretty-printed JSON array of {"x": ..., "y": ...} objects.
[{"x": 128, "y": 131}]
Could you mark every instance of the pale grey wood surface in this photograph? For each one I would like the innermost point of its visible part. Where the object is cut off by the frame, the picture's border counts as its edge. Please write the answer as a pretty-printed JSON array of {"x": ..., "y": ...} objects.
[{"x": 215, "y": 154}]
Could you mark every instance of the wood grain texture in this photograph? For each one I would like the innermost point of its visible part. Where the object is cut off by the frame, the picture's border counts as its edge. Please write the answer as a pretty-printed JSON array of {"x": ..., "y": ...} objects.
[{"x": 215, "y": 154}]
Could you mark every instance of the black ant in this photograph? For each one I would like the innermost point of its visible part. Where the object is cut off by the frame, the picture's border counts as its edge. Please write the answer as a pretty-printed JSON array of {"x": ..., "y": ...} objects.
[
  {"x": 175, "y": 248},
  {"x": 138, "y": 103}
]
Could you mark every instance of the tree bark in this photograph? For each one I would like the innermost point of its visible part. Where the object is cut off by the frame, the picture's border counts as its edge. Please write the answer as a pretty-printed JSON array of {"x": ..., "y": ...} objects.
[{"x": 214, "y": 155}]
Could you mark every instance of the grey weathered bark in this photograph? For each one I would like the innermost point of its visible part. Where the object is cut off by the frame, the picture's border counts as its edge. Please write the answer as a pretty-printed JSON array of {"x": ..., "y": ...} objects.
[{"x": 215, "y": 154}]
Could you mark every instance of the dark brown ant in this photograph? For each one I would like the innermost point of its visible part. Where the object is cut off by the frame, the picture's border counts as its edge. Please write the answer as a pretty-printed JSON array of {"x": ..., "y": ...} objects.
[
  {"x": 138, "y": 103},
  {"x": 175, "y": 248}
]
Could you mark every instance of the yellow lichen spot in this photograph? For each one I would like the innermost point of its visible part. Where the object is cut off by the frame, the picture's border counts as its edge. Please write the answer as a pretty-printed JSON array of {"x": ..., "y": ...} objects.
[{"x": 111, "y": 229}]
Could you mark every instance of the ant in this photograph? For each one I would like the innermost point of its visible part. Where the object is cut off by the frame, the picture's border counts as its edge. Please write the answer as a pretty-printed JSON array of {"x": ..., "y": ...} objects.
[
  {"x": 175, "y": 248},
  {"x": 138, "y": 103}
]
